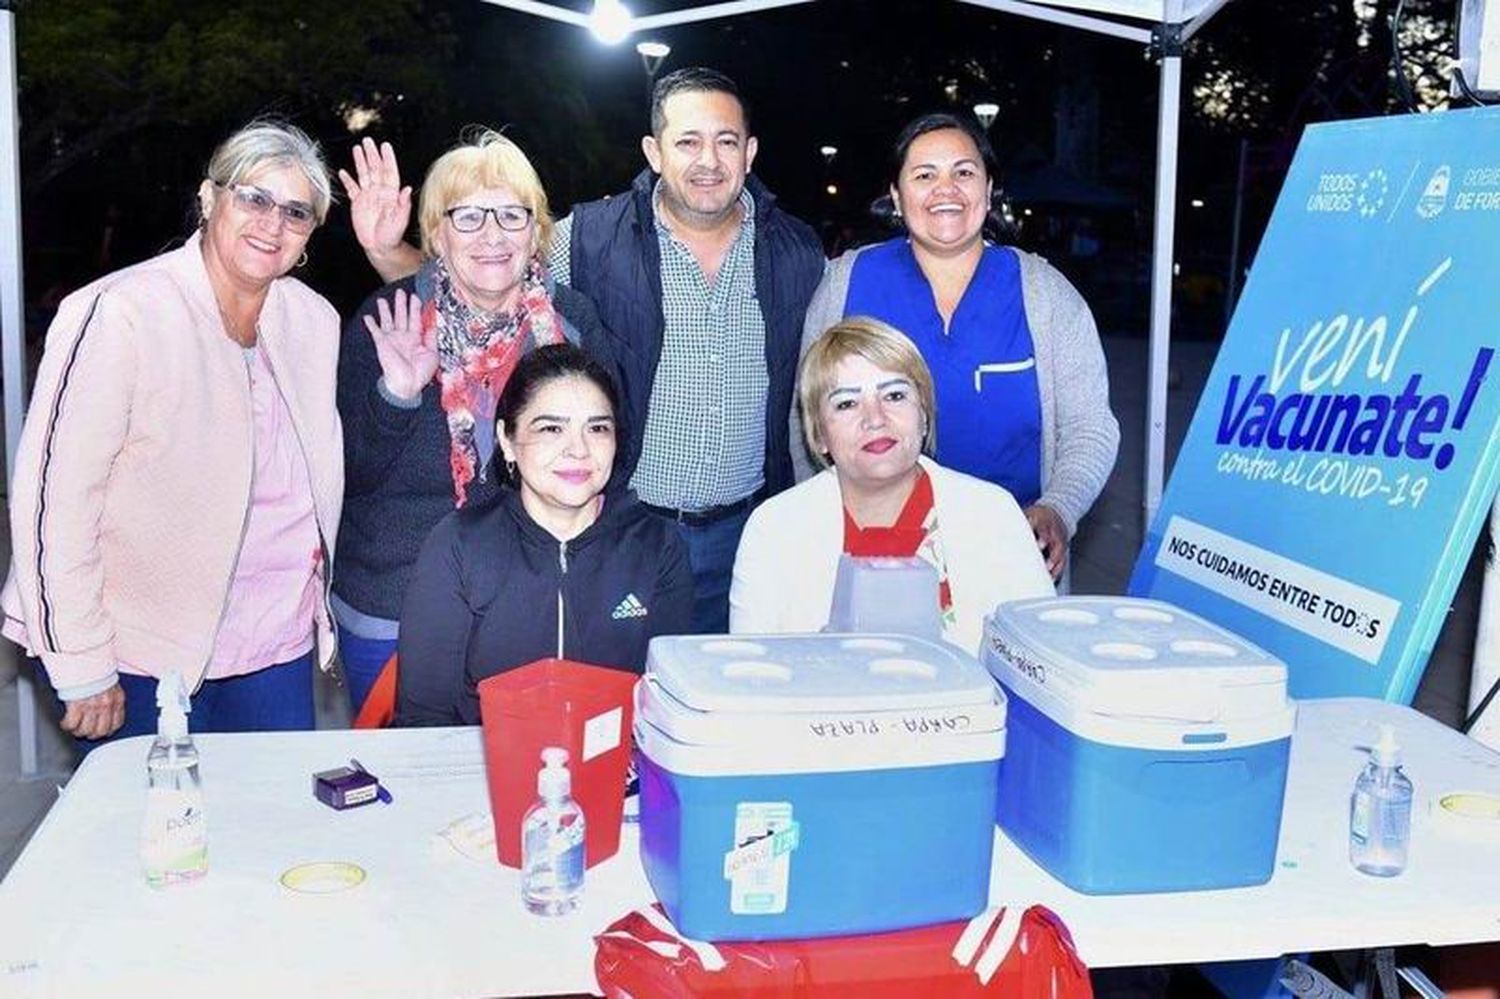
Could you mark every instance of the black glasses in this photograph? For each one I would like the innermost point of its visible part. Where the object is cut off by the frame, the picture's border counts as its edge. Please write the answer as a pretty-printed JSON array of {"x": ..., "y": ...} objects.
[
  {"x": 298, "y": 215},
  {"x": 470, "y": 218}
]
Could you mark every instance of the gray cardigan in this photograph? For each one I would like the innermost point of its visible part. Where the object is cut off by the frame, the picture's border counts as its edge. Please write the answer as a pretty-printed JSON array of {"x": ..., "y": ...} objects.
[{"x": 1080, "y": 435}]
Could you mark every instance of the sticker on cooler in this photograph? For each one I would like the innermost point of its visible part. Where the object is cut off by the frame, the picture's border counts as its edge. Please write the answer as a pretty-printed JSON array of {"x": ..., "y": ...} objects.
[
  {"x": 602, "y": 733},
  {"x": 759, "y": 867}
]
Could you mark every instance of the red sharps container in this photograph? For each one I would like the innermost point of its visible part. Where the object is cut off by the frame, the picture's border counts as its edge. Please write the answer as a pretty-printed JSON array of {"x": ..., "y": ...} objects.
[{"x": 586, "y": 710}]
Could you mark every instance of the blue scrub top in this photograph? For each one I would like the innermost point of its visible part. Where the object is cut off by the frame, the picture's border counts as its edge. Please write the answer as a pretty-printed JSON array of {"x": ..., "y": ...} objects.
[{"x": 989, "y": 407}]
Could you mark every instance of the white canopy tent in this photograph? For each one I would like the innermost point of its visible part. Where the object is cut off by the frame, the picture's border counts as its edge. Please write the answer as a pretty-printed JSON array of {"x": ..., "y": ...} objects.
[{"x": 1169, "y": 25}]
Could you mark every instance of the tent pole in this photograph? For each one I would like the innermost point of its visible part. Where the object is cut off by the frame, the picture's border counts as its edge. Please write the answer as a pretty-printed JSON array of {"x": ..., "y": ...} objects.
[
  {"x": 1099, "y": 25},
  {"x": 1232, "y": 278},
  {"x": 1192, "y": 27},
  {"x": 649, "y": 22},
  {"x": 1486, "y": 669},
  {"x": 692, "y": 15},
  {"x": 1161, "y": 267},
  {"x": 13, "y": 325},
  {"x": 546, "y": 10}
]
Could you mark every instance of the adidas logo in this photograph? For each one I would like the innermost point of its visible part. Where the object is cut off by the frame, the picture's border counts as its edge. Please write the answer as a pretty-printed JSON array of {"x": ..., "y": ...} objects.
[{"x": 631, "y": 606}]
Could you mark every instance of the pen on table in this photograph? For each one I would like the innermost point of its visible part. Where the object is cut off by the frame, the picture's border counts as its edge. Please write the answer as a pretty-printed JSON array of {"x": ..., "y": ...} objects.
[{"x": 381, "y": 793}]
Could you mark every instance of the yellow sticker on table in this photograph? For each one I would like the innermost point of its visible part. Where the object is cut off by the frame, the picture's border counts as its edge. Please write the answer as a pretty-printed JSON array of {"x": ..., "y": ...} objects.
[
  {"x": 1471, "y": 805},
  {"x": 1472, "y": 814},
  {"x": 324, "y": 877}
]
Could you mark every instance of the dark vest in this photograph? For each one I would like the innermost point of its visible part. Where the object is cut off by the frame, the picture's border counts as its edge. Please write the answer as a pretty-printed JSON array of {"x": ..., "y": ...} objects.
[{"x": 616, "y": 261}]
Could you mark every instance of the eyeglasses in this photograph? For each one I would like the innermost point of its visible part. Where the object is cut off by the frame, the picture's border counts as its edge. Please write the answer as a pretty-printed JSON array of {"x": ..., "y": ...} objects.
[
  {"x": 470, "y": 218},
  {"x": 299, "y": 216}
]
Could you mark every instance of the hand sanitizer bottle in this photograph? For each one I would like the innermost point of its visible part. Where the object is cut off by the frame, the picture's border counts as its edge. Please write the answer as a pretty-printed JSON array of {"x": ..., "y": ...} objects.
[
  {"x": 1380, "y": 811},
  {"x": 174, "y": 833},
  {"x": 552, "y": 841}
]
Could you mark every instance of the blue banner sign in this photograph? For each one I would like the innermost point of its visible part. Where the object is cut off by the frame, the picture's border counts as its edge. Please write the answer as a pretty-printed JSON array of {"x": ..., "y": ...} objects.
[{"x": 1346, "y": 447}]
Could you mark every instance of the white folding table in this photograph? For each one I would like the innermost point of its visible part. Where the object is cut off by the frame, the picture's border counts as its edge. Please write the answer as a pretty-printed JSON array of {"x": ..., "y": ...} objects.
[{"x": 75, "y": 914}]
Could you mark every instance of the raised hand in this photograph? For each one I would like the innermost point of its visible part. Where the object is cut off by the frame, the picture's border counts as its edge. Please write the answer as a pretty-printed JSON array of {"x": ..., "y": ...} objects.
[
  {"x": 379, "y": 207},
  {"x": 408, "y": 359}
]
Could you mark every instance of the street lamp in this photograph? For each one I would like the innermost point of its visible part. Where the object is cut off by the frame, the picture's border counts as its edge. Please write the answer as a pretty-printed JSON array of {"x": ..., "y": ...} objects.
[
  {"x": 829, "y": 152},
  {"x": 610, "y": 21},
  {"x": 652, "y": 53},
  {"x": 986, "y": 113}
]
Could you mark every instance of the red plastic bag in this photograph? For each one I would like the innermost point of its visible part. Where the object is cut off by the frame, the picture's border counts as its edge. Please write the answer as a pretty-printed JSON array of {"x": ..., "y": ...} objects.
[{"x": 1001, "y": 952}]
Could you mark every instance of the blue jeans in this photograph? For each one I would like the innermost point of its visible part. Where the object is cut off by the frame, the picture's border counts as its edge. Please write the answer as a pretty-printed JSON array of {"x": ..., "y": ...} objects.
[
  {"x": 711, "y": 550},
  {"x": 363, "y": 659},
  {"x": 277, "y": 698}
]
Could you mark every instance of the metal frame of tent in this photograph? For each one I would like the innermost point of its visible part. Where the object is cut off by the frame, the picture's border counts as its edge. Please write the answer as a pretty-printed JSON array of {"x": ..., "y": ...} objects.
[{"x": 13, "y": 320}]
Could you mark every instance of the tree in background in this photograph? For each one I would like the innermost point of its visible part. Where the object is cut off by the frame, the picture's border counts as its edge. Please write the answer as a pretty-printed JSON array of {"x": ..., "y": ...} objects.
[
  {"x": 1254, "y": 79},
  {"x": 93, "y": 73},
  {"x": 122, "y": 100},
  {"x": 1286, "y": 63}
]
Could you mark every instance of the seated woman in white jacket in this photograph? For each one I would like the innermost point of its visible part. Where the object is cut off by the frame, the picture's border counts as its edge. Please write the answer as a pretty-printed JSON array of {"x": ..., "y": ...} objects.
[{"x": 867, "y": 412}]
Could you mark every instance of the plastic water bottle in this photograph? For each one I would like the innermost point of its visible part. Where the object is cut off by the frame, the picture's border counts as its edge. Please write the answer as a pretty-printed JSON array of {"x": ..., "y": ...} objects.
[
  {"x": 1380, "y": 811},
  {"x": 552, "y": 841},
  {"x": 174, "y": 832}
]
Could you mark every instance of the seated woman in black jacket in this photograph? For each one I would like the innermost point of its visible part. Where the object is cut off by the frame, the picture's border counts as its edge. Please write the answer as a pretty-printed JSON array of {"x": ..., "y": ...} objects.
[{"x": 552, "y": 566}]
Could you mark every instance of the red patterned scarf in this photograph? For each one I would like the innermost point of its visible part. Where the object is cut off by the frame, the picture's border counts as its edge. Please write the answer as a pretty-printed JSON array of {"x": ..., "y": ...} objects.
[{"x": 477, "y": 352}]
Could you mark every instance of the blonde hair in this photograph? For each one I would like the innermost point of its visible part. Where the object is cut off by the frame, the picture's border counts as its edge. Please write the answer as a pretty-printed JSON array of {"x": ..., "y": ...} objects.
[
  {"x": 483, "y": 159},
  {"x": 883, "y": 346},
  {"x": 266, "y": 140}
]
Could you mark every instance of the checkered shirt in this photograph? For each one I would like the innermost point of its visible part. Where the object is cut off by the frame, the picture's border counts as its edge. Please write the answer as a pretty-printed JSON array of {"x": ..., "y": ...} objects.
[{"x": 705, "y": 433}]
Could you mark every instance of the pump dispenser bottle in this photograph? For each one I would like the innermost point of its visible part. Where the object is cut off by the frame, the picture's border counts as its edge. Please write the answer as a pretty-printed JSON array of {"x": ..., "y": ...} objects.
[
  {"x": 1380, "y": 811},
  {"x": 552, "y": 841},
  {"x": 174, "y": 832}
]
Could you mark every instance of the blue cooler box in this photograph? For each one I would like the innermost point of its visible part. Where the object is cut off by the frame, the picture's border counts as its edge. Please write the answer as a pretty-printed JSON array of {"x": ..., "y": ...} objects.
[
  {"x": 817, "y": 785},
  {"x": 1148, "y": 748}
]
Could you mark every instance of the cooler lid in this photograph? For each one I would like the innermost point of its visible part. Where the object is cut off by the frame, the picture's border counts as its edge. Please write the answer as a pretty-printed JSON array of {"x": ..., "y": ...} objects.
[
  {"x": 715, "y": 743},
  {"x": 702, "y": 728},
  {"x": 769, "y": 674},
  {"x": 1129, "y": 657}
]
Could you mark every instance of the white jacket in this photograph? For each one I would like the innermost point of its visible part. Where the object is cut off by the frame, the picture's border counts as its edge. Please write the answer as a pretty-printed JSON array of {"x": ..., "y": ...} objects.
[{"x": 789, "y": 554}]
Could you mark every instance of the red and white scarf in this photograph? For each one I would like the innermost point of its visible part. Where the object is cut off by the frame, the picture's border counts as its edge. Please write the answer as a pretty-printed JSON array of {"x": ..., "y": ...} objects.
[{"x": 477, "y": 351}]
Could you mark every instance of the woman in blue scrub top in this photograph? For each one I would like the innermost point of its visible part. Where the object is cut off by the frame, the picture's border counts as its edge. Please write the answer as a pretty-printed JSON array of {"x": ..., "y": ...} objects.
[{"x": 1019, "y": 373}]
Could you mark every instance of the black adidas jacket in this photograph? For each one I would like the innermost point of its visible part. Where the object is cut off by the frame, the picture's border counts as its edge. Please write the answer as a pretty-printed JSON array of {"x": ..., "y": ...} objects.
[{"x": 493, "y": 590}]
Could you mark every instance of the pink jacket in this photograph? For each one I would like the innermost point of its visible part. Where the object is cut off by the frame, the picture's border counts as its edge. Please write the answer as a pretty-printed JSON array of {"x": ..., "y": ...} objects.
[{"x": 133, "y": 479}]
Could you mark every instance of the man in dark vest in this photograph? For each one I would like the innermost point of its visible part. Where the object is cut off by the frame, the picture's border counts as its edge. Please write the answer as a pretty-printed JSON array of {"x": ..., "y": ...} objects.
[{"x": 702, "y": 282}]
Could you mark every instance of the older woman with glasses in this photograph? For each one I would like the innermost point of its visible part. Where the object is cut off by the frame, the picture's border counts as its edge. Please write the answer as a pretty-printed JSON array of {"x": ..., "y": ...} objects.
[
  {"x": 424, "y": 363},
  {"x": 178, "y": 486}
]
